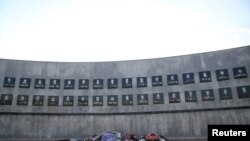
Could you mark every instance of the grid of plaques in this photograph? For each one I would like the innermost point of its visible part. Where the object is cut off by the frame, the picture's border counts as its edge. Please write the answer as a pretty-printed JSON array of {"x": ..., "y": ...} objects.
[
  {"x": 141, "y": 82},
  {"x": 128, "y": 99}
]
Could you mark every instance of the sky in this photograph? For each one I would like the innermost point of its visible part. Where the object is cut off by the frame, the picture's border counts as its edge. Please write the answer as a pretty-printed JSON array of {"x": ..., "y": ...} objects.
[{"x": 115, "y": 30}]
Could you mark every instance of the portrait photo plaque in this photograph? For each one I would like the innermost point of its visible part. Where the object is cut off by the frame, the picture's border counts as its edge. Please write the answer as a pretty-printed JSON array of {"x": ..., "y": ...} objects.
[
  {"x": 38, "y": 100},
  {"x": 83, "y": 100},
  {"x": 112, "y": 100},
  {"x": 83, "y": 83},
  {"x": 172, "y": 79},
  {"x": 69, "y": 84},
  {"x": 141, "y": 82},
  {"x": 207, "y": 95},
  {"x": 24, "y": 83},
  {"x": 54, "y": 84},
  {"x": 142, "y": 99},
  {"x": 158, "y": 98},
  {"x": 112, "y": 83},
  {"x": 40, "y": 83},
  {"x": 205, "y": 76},
  {"x": 174, "y": 97},
  {"x": 6, "y": 99},
  {"x": 240, "y": 72},
  {"x": 53, "y": 100},
  {"x": 98, "y": 84},
  {"x": 127, "y": 83},
  {"x": 188, "y": 78},
  {"x": 68, "y": 100},
  {"x": 243, "y": 91},
  {"x": 97, "y": 100},
  {"x": 22, "y": 100},
  {"x": 190, "y": 96},
  {"x": 9, "y": 82},
  {"x": 222, "y": 75},
  {"x": 225, "y": 93},
  {"x": 127, "y": 99},
  {"x": 157, "y": 81}
]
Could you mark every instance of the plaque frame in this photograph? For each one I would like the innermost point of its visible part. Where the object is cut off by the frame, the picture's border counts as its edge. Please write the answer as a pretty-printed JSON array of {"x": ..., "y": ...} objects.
[
  {"x": 188, "y": 78},
  {"x": 205, "y": 76},
  {"x": 222, "y": 74},
  {"x": 156, "y": 81},
  {"x": 207, "y": 95},
  {"x": 9, "y": 82},
  {"x": 189, "y": 98},
  {"x": 225, "y": 93},
  {"x": 243, "y": 91},
  {"x": 96, "y": 102},
  {"x": 84, "y": 102},
  {"x": 158, "y": 98},
  {"x": 37, "y": 101},
  {"x": 240, "y": 72},
  {"x": 174, "y": 97},
  {"x": 83, "y": 85},
  {"x": 6, "y": 99},
  {"x": 114, "y": 101},
  {"x": 172, "y": 79},
  {"x": 22, "y": 100},
  {"x": 41, "y": 85},
  {"x": 129, "y": 84},
  {"x": 68, "y": 100},
  {"x": 142, "y": 99},
  {"x": 98, "y": 83},
  {"x": 68, "y": 86},
  {"x": 54, "y": 84},
  {"x": 127, "y": 100},
  {"x": 24, "y": 82}
]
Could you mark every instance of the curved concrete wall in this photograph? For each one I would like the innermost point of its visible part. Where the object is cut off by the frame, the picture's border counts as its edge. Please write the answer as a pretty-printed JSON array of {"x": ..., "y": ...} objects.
[{"x": 169, "y": 113}]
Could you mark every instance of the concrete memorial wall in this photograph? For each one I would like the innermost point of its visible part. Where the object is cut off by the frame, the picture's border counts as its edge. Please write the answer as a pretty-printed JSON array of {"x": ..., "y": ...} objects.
[{"x": 174, "y": 96}]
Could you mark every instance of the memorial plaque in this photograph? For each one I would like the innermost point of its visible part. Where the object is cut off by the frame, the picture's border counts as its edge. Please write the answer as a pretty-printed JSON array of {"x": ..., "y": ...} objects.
[
  {"x": 243, "y": 91},
  {"x": 69, "y": 84},
  {"x": 98, "y": 84},
  {"x": 97, "y": 100},
  {"x": 141, "y": 82},
  {"x": 40, "y": 83},
  {"x": 83, "y": 83},
  {"x": 53, "y": 100},
  {"x": 222, "y": 75},
  {"x": 173, "y": 79},
  {"x": 225, "y": 93},
  {"x": 158, "y": 98},
  {"x": 68, "y": 100},
  {"x": 207, "y": 95},
  {"x": 112, "y": 100},
  {"x": 83, "y": 100},
  {"x": 9, "y": 82},
  {"x": 188, "y": 78},
  {"x": 205, "y": 76},
  {"x": 174, "y": 97},
  {"x": 54, "y": 84},
  {"x": 142, "y": 99},
  {"x": 24, "y": 83},
  {"x": 22, "y": 100},
  {"x": 190, "y": 96},
  {"x": 6, "y": 99},
  {"x": 240, "y": 72},
  {"x": 157, "y": 81},
  {"x": 38, "y": 100},
  {"x": 127, "y": 83},
  {"x": 127, "y": 99},
  {"x": 112, "y": 83}
]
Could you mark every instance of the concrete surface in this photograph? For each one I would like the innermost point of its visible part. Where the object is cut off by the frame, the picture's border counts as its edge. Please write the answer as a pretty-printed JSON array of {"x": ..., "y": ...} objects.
[{"x": 184, "y": 120}]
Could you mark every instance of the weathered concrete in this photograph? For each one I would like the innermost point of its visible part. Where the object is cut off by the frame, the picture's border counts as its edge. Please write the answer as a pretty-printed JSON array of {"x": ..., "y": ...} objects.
[{"x": 174, "y": 120}]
